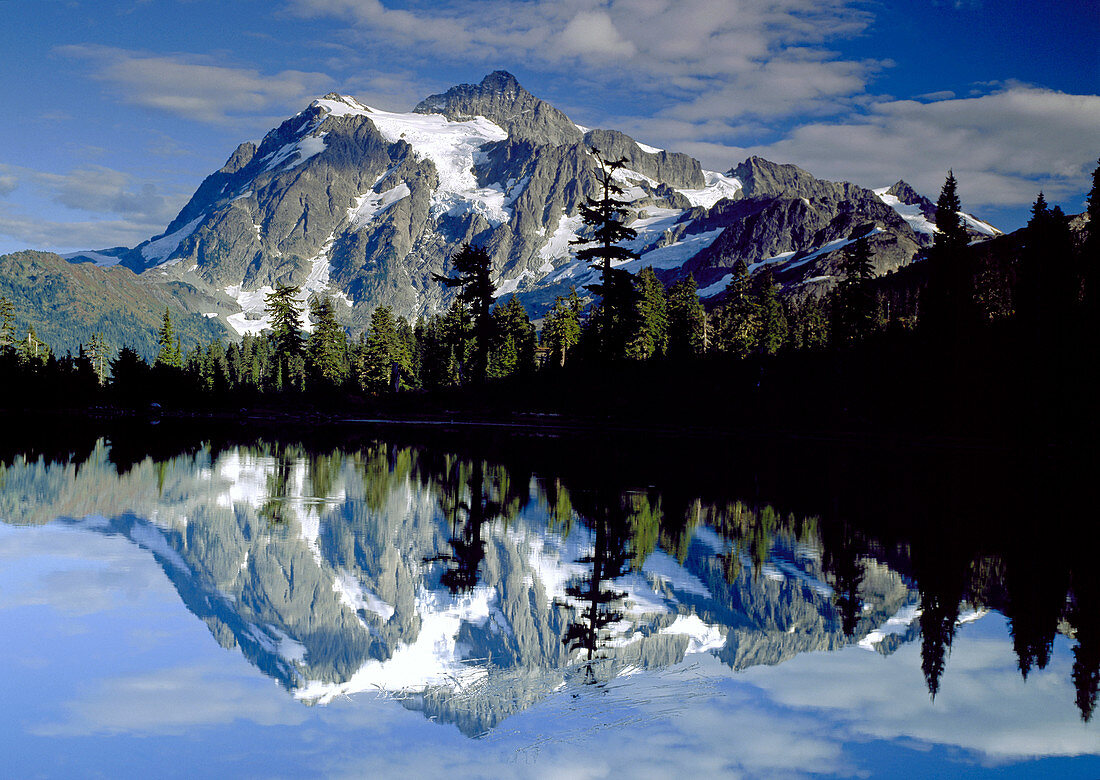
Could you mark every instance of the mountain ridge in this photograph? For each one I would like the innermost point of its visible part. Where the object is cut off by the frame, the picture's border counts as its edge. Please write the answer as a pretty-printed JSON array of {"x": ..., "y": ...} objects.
[{"x": 367, "y": 206}]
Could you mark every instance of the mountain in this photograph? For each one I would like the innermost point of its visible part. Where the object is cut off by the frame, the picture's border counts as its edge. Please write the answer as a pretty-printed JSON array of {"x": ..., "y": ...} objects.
[
  {"x": 66, "y": 303},
  {"x": 325, "y": 572},
  {"x": 366, "y": 205}
]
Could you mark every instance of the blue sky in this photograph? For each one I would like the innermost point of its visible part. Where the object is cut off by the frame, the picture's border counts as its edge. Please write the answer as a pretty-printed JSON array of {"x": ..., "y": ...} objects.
[{"x": 115, "y": 111}]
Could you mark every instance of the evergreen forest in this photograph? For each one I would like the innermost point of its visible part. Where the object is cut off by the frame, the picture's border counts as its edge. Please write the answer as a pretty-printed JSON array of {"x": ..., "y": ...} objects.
[{"x": 996, "y": 339}]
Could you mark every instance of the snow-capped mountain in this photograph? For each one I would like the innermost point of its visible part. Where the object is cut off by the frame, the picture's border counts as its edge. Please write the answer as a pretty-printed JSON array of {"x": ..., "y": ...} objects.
[
  {"x": 365, "y": 205},
  {"x": 324, "y": 572}
]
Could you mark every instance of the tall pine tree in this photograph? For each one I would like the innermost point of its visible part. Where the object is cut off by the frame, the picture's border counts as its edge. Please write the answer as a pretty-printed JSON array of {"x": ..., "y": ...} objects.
[
  {"x": 473, "y": 267},
  {"x": 687, "y": 320},
  {"x": 651, "y": 320},
  {"x": 327, "y": 344},
  {"x": 738, "y": 321},
  {"x": 606, "y": 215},
  {"x": 285, "y": 313},
  {"x": 948, "y": 296},
  {"x": 168, "y": 345},
  {"x": 561, "y": 329}
]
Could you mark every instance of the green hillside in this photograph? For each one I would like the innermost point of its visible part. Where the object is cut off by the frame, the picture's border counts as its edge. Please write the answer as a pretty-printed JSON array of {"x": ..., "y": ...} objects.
[{"x": 66, "y": 303}]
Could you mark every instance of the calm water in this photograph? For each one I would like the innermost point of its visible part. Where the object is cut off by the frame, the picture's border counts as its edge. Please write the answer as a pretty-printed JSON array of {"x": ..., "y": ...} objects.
[{"x": 566, "y": 606}]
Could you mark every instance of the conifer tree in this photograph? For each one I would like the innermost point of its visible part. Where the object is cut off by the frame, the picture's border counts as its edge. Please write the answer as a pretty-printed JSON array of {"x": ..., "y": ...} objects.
[
  {"x": 1091, "y": 248},
  {"x": 686, "y": 320},
  {"x": 514, "y": 347},
  {"x": 7, "y": 326},
  {"x": 327, "y": 344},
  {"x": 32, "y": 350},
  {"x": 285, "y": 315},
  {"x": 606, "y": 215},
  {"x": 474, "y": 267},
  {"x": 96, "y": 354},
  {"x": 855, "y": 308},
  {"x": 650, "y": 337},
  {"x": 773, "y": 322},
  {"x": 738, "y": 323},
  {"x": 948, "y": 297},
  {"x": 387, "y": 364},
  {"x": 168, "y": 352},
  {"x": 561, "y": 329},
  {"x": 1047, "y": 289}
]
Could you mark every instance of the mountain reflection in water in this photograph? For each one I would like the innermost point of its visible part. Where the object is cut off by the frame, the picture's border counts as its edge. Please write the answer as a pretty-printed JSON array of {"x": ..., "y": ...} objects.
[{"x": 470, "y": 580}]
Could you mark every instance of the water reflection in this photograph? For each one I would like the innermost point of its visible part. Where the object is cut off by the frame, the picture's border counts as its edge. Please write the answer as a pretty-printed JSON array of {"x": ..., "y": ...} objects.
[{"x": 470, "y": 588}]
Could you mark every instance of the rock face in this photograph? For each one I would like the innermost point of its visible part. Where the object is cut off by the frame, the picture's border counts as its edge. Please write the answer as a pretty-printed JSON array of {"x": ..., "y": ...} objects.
[{"x": 366, "y": 205}]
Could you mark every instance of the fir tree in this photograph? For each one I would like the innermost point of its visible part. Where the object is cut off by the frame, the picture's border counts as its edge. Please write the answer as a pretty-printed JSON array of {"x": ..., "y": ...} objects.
[
  {"x": 1047, "y": 288},
  {"x": 474, "y": 268},
  {"x": 514, "y": 348},
  {"x": 686, "y": 320},
  {"x": 738, "y": 321},
  {"x": 606, "y": 216},
  {"x": 387, "y": 364},
  {"x": 773, "y": 322},
  {"x": 855, "y": 308},
  {"x": 561, "y": 330},
  {"x": 948, "y": 297},
  {"x": 168, "y": 346},
  {"x": 327, "y": 344},
  {"x": 7, "y": 326},
  {"x": 1091, "y": 248},
  {"x": 97, "y": 357},
  {"x": 285, "y": 315},
  {"x": 650, "y": 338}
]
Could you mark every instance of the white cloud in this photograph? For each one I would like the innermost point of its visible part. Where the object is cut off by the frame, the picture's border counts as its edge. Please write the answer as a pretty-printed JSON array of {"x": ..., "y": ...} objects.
[
  {"x": 172, "y": 701},
  {"x": 8, "y": 184},
  {"x": 592, "y": 34},
  {"x": 194, "y": 87},
  {"x": 33, "y": 232},
  {"x": 983, "y": 705},
  {"x": 1004, "y": 147},
  {"x": 695, "y": 49}
]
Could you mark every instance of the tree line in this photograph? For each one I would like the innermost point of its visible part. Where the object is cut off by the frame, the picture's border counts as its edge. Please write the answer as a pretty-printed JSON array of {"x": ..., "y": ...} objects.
[{"x": 1048, "y": 288}]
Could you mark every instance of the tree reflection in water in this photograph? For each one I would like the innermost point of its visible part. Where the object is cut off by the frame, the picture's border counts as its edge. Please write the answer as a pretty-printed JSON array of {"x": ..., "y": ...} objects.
[{"x": 1019, "y": 552}]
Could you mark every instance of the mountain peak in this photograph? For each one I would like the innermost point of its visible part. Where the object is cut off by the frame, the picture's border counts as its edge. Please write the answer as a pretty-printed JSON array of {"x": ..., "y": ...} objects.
[
  {"x": 501, "y": 99},
  {"x": 502, "y": 81}
]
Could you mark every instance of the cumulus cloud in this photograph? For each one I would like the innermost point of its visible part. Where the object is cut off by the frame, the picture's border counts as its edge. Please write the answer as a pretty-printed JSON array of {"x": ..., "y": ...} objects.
[
  {"x": 194, "y": 87},
  {"x": 692, "y": 48},
  {"x": 8, "y": 184},
  {"x": 172, "y": 701},
  {"x": 102, "y": 190},
  {"x": 984, "y": 705},
  {"x": 18, "y": 230},
  {"x": 1004, "y": 147}
]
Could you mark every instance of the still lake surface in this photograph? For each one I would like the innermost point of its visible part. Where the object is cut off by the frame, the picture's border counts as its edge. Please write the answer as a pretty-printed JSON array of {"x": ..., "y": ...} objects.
[{"x": 384, "y": 601}]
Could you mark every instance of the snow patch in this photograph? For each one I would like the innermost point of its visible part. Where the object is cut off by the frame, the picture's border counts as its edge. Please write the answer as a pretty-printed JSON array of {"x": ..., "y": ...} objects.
[
  {"x": 898, "y": 624},
  {"x": 371, "y": 204},
  {"x": 911, "y": 214},
  {"x": 702, "y": 637},
  {"x": 354, "y": 595},
  {"x": 453, "y": 148},
  {"x": 158, "y": 250},
  {"x": 982, "y": 227},
  {"x": 558, "y": 244},
  {"x": 433, "y": 658},
  {"x": 718, "y": 186}
]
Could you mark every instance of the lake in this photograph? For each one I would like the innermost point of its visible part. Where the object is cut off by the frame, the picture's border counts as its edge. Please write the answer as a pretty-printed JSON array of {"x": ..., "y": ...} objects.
[{"x": 198, "y": 600}]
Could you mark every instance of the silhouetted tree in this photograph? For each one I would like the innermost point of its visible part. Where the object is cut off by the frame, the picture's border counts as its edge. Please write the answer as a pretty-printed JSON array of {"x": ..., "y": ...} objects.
[
  {"x": 606, "y": 215},
  {"x": 474, "y": 267}
]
